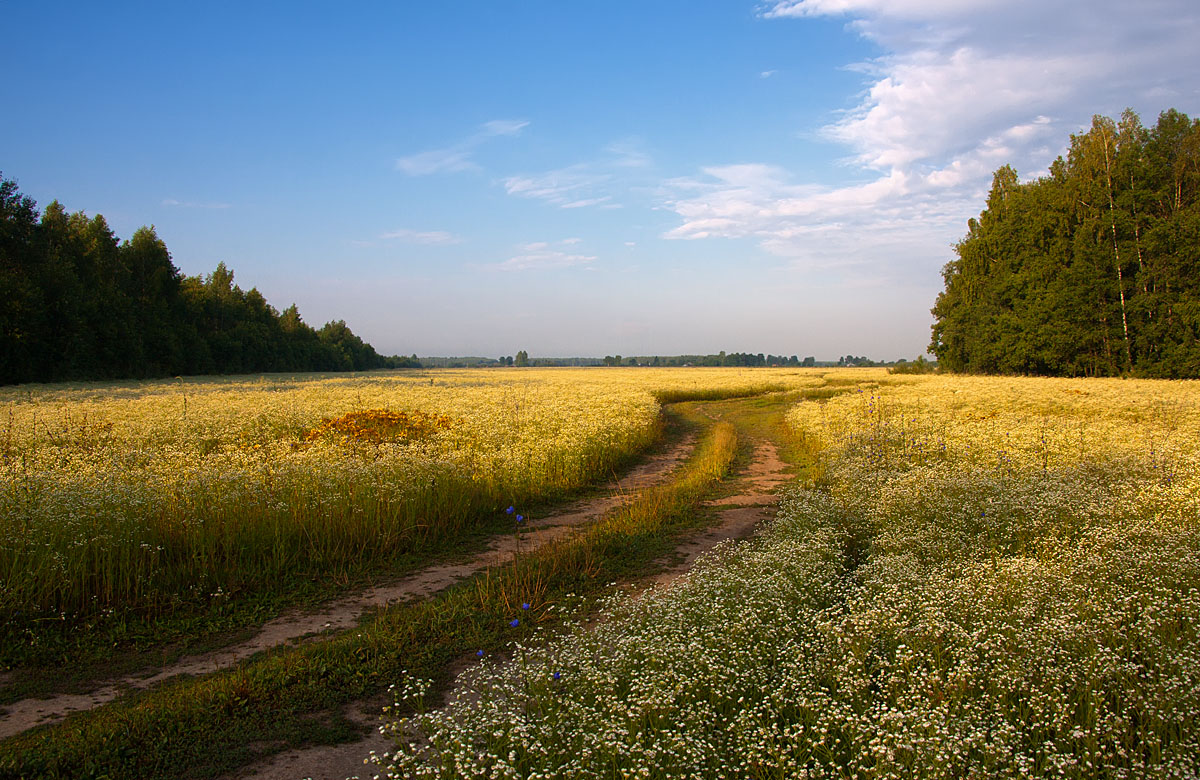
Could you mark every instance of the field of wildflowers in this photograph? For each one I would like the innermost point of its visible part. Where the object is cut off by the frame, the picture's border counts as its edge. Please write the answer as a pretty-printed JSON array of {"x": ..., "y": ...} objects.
[
  {"x": 141, "y": 498},
  {"x": 217, "y": 724},
  {"x": 981, "y": 577}
]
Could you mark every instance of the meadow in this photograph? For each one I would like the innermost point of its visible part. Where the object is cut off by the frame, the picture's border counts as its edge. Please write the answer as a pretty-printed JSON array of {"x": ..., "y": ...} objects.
[
  {"x": 135, "y": 503},
  {"x": 977, "y": 577},
  {"x": 973, "y": 577}
]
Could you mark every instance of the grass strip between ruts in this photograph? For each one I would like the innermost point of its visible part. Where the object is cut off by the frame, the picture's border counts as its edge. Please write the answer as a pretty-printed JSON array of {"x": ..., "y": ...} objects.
[{"x": 204, "y": 727}]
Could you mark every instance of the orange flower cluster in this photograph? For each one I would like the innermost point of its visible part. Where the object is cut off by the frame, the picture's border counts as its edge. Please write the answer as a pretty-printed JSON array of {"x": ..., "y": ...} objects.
[{"x": 377, "y": 426}]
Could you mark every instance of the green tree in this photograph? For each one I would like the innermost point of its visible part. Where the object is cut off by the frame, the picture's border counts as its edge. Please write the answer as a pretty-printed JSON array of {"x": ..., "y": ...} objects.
[
  {"x": 1090, "y": 270},
  {"x": 157, "y": 309},
  {"x": 23, "y": 305},
  {"x": 80, "y": 304}
]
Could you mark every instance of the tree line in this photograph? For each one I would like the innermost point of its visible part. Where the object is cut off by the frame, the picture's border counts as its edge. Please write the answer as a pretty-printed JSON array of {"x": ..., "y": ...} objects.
[
  {"x": 741, "y": 359},
  {"x": 1091, "y": 270},
  {"x": 78, "y": 303}
]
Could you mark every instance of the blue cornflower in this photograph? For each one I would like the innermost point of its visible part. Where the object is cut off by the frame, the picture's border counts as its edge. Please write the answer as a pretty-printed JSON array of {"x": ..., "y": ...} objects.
[
  {"x": 510, "y": 510},
  {"x": 557, "y": 675},
  {"x": 525, "y": 605},
  {"x": 515, "y": 623},
  {"x": 520, "y": 518},
  {"x": 479, "y": 654}
]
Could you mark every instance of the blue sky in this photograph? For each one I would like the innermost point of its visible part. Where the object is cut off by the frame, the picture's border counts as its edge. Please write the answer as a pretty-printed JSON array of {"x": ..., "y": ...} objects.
[{"x": 575, "y": 178}]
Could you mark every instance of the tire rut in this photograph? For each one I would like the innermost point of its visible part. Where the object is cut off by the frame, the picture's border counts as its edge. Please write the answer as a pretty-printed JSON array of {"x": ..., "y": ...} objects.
[
  {"x": 739, "y": 514},
  {"x": 753, "y": 501}
]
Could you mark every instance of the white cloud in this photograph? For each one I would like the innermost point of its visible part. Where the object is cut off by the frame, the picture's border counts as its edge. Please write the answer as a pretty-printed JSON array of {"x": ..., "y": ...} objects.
[
  {"x": 932, "y": 107},
  {"x": 559, "y": 187},
  {"x": 627, "y": 153},
  {"x": 187, "y": 204},
  {"x": 427, "y": 237},
  {"x": 457, "y": 158},
  {"x": 587, "y": 183},
  {"x": 504, "y": 126},
  {"x": 452, "y": 160},
  {"x": 964, "y": 86},
  {"x": 544, "y": 255},
  {"x": 578, "y": 204},
  {"x": 766, "y": 74},
  {"x": 909, "y": 9}
]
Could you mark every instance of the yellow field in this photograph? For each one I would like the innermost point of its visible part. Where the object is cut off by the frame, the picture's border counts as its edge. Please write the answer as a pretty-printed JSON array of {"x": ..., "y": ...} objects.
[
  {"x": 1013, "y": 421},
  {"x": 144, "y": 495}
]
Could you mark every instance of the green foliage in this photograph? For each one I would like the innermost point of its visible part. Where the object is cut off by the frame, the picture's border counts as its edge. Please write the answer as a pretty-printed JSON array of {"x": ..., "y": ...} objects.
[
  {"x": 855, "y": 360},
  {"x": 1088, "y": 271},
  {"x": 736, "y": 359},
  {"x": 79, "y": 304},
  {"x": 918, "y": 366}
]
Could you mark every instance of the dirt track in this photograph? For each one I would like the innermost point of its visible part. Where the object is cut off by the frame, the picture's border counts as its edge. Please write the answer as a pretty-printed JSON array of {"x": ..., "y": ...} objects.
[{"x": 752, "y": 502}]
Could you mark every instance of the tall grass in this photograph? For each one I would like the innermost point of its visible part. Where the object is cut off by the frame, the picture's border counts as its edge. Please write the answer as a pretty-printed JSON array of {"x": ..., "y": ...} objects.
[
  {"x": 209, "y": 726},
  {"x": 166, "y": 497}
]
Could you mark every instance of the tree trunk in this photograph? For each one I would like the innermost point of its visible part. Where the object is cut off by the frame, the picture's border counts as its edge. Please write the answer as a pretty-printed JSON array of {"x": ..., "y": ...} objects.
[{"x": 1112, "y": 216}]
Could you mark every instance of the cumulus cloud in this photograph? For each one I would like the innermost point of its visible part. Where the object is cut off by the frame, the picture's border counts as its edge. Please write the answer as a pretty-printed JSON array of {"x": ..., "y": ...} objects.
[
  {"x": 457, "y": 157},
  {"x": 963, "y": 87},
  {"x": 907, "y": 9}
]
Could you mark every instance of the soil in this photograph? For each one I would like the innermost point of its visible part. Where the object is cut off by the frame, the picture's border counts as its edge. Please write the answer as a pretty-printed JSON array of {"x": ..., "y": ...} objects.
[
  {"x": 739, "y": 514},
  {"x": 331, "y": 762}
]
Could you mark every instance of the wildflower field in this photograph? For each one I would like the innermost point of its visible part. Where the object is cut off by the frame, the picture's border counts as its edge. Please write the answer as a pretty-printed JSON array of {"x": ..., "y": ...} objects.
[
  {"x": 978, "y": 577},
  {"x": 139, "y": 501}
]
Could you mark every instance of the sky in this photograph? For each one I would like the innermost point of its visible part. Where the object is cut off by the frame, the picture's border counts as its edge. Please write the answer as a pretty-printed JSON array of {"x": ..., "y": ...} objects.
[{"x": 575, "y": 178}]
